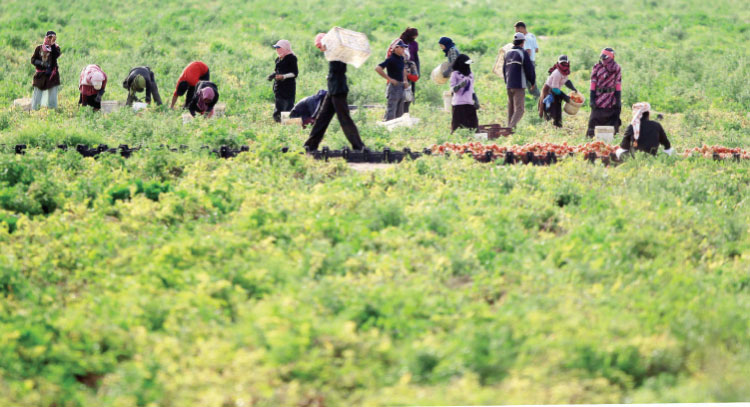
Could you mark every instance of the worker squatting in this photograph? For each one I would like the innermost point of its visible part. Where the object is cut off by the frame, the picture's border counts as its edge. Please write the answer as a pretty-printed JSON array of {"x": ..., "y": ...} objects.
[{"x": 400, "y": 69}]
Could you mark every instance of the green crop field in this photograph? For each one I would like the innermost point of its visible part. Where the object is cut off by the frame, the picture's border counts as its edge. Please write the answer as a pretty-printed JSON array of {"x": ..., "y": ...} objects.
[{"x": 270, "y": 279}]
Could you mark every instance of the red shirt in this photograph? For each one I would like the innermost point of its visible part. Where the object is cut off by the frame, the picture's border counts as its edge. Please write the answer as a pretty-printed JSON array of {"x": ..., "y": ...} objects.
[{"x": 192, "y": 73}]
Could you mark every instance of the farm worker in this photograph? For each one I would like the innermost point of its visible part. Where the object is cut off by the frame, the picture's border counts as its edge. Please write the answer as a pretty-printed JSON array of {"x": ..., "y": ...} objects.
[
  {"x": 451, "y": 52},
  {"x": 192, "y": 74},
  {"x": 395, "y": 67},
  {"x": 307, "y": 108},
  {"x": 531, "y": 47},
  {"x": 606, "y": 88},
  {"x": 141, "y": 79},
  {"x": 462, "y": 85},
  {"x": 643, "y": 134},
  {"x": 550, "y": 104},
  {"x": 518, "y": 74},
  {"x": 284, "y": 77},
  {"x": 204, "y": 99},
  {"x": 413, "y": 68},
  {"x": 334, "y": 103},
  {"x": 46, "y": 78},
  {"x": 92, "y": 85}
]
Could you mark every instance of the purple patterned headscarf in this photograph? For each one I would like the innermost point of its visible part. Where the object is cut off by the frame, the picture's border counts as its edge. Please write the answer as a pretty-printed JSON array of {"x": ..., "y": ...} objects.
[{"x": 207, "y": 94}]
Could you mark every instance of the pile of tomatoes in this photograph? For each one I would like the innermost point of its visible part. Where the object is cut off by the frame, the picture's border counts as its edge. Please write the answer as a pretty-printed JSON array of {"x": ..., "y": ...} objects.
[
  {"x": 721, "y": 151},
  {"x": 477, "y": 149}
]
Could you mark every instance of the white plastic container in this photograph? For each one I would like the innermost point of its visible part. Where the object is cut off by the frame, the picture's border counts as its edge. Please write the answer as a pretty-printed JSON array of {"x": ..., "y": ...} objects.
[
  {"x": 346, "y": 46},
  {"x": 448, "y": 101},
  {"x": 500, "y": 60},
  {"x": 139, "y": 106},
  {"x": 481, "y": 136},
  {"x": 437, "y": 74},
  {"x": 404, "y": 121},
  {"x": 605, "y": 133},
  {"x": 286, "y": 120},
  {"x": 109, "y": 106},
  {"x": 22, "y": 104},
  {"x": 186, "y": 118},
  {"x": 220, "y": 109}
]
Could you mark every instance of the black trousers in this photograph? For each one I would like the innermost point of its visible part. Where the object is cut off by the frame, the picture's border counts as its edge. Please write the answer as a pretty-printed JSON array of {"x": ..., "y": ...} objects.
[
  {"x": 191, "y": 89},
  {"x": 604, "y": 117},
  {"x": 89, "y": 101},
  {"x": 283, "y": 104},
  {"x": 554, "y": 112},
  {"x": 334, "y": 104}
]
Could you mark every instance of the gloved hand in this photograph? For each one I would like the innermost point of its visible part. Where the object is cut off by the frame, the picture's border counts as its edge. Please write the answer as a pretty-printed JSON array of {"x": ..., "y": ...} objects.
[
  {"x": 271, "y": 77},
  {"x": 548, "y": 101},
  {"x": 592, "y": 99},
  {"x": 565, "y": 97},
  {"x": 570, "y": 86},
  {"x": 38, "y": 63},
  {"x": 669, "y": 151},
  {"x": 99, "y": 97}
]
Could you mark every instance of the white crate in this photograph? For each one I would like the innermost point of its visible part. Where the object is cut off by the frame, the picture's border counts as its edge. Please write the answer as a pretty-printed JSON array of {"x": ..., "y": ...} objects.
[
  {"x": 139, "y": 106},
  {"x": 448, "y": 101},
  {"x": 286, "y": 120},
  {"x": 404, "y": 121},
  {"x": 346, "y": 46}
]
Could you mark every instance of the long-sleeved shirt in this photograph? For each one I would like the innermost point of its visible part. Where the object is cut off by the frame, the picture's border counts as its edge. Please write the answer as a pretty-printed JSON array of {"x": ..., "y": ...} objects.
[
  {"x": 652, "y": 134},
  {"x": 47, "y": 75},
  {"x": 452, "y": 55},
  {"x": 464, "y": 95},
  {"x": 192, "y": 74},
  {"x": 193, "y": 106},
  {"x": 151, "y": 88},
  {"x": 287, "y": 87},
  {"x": 337, "y": 78},
  {"x": 414, "y": 54},
  {"x": 518, "y": 69}
]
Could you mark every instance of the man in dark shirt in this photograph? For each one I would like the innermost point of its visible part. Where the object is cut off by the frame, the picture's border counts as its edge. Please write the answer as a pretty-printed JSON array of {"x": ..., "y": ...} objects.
[
  {"x": 334, "y": 103},
  {"x": 643, "y": 134},
  {"x": 396, "y": 76},
  {"x": 141, "y": 79}
]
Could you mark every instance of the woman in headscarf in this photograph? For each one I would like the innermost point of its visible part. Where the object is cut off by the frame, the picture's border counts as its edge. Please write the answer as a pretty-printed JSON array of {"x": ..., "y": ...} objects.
[
  {"x": 451, "y": 52},
  {"x": 462, "y": 84},
  {"x": 195, "y": 72},
  {"x": 92, "y": 85},
  {"x": 284, "y": 77},
  {"x": 643, "y": 134},
  {"x": 335, "y": 103},
  {"x": 550, "y": 104},
  {"x": 46, "y": 78},
  {"x": 413, "y": 68},
  {"x": 141, "y": 79},
  {"x": 204, "y": 99},
  {"x": 606, "y": 88}
]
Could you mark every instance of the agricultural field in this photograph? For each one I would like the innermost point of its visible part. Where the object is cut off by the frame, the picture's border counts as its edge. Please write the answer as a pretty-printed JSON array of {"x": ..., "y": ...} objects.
[{"x": 270, "y": 279}]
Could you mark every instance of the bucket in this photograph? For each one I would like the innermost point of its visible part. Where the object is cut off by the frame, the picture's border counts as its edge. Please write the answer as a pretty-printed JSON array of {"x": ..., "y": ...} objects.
[
  {"x": 23, "y": 104},
  {"x": 605, "y": 133},
  {"x": 448, "y": 101},
  {"x": 437, "y": 73},
  {"x": 109, "y": 106},
  {"x": 572, "y": 107}
]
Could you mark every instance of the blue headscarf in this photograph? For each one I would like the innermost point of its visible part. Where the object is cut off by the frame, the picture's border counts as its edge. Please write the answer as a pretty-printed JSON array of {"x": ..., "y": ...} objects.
[{"x": 447, "y": 42}]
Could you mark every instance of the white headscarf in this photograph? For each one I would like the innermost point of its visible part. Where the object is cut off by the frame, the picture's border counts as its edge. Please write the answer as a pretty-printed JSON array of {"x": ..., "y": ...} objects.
[{"x": 638, "y": 110}]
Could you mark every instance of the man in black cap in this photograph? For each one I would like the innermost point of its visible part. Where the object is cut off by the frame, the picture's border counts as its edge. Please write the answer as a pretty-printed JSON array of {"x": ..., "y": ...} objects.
[{"x": 396, "y": 76}]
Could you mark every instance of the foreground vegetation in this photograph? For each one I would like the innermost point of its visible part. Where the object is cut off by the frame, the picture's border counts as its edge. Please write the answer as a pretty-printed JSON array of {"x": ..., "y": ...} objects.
[{"x": 272, "y": 279}]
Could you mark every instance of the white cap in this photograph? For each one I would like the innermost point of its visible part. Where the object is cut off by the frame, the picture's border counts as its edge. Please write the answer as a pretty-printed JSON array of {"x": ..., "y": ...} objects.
[{"x": 519, "y": 36}]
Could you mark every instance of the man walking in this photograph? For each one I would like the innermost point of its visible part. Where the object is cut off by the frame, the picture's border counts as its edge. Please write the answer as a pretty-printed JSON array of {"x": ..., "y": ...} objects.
[
  {"x": 531, "y": 47},
  {"x": 518, "y": 74}
]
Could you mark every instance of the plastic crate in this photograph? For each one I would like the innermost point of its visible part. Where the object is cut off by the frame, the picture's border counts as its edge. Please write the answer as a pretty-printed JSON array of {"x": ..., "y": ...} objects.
[{"x": 346, "y": 46}]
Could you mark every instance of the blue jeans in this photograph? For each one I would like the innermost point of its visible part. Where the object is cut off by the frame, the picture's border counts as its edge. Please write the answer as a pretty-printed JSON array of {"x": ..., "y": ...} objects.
[{"x": 36, "y": 98}]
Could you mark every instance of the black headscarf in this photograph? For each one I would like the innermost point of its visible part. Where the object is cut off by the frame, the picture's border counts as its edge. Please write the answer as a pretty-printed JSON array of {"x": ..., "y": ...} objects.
[{"x": 461, "y": 66}]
